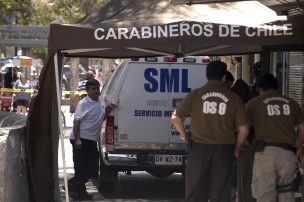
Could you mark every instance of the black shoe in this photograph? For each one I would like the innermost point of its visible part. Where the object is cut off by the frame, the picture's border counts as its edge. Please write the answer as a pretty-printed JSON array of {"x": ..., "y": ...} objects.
[
  {"x": 85, "y": 196},
  {"x": 74, "y": 195},
  {"x": 63, "y": 187}
]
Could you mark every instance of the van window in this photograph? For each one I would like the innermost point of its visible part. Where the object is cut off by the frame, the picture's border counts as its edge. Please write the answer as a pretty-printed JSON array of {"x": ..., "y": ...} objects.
[{"x": 112, "y": 81}]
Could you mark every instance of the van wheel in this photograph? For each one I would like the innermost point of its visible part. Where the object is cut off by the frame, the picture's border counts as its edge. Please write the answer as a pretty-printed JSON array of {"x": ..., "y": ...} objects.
[
  {"x": 107, "y": 179},
  {"x": 161, "y": 173}
]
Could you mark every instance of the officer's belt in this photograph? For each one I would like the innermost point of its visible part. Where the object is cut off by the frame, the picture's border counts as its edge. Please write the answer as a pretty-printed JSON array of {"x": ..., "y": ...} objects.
[
  {"x": 282, "y": 145},
  {"x": 260, "y": 144}
]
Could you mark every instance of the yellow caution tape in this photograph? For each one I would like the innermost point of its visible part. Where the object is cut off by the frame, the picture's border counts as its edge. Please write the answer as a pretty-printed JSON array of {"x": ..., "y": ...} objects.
[
  {"x": 74, "y": 92},
  {"x": 11, "y": 90}
]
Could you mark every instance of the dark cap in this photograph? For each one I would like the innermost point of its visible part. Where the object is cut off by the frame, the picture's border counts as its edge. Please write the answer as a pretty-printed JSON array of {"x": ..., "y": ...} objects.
[
  {"x": 216, "y": 70},
  {"x": 267, "y": 81}
]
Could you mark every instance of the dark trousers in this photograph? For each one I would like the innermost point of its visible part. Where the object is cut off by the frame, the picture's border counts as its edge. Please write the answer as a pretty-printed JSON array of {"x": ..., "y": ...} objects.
[
  {"x": 86, "y": 164},
  {"x": 209, "y": 173}
]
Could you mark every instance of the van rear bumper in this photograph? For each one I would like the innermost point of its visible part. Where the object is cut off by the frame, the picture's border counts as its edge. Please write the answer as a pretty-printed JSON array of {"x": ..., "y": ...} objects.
[
  {"x": 122, "y": 159},
  {"x": 146, "y": 160},
  {"x": 142, "y": 146}
]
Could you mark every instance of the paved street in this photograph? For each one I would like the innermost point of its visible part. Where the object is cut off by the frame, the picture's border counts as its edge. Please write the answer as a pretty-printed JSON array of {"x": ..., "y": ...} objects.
[{"x": 140, "y": 186}]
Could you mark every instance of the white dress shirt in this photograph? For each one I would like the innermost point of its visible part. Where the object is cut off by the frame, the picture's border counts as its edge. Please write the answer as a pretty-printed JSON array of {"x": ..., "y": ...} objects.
[{"x": 90, "y": 113}]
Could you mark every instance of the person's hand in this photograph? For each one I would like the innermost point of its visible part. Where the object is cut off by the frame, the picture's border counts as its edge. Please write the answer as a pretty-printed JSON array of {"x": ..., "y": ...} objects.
[
  {"x": 237, "y": 151},
  {"x": 78, "y": 143},
  {"x": 112, "y": 105},
  {"x": 299, "y": 153},
  {"x": 182, "y": 136}
]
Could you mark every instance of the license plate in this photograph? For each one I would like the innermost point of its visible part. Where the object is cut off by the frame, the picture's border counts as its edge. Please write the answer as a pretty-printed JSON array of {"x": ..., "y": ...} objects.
[{"x": 168, "y": 160}]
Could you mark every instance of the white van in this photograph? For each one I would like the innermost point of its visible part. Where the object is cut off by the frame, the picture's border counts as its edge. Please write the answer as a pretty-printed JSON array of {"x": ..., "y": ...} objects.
[{"x": 138, "y": 134}]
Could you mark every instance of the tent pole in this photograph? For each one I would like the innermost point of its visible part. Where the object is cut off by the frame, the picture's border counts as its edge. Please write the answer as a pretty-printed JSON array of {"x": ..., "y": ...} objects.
[
  {"x": 12, "y": 101},
  {"x": 60, "y": 127}
]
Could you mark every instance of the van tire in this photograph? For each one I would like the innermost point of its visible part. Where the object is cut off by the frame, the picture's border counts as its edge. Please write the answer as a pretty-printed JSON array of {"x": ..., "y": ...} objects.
[
  {"x": 160, "y": 173},
  {"x": 107, "y": 179}
]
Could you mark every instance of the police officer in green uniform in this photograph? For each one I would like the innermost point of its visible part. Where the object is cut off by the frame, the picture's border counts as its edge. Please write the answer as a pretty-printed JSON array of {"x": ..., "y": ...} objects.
[
  {"x": 274, "y": 117},
  {"x": 216, "y": 114}
]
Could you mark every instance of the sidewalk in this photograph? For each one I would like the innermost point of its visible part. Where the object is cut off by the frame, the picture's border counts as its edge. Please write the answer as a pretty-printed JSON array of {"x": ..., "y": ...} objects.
[{"x": 67, "y": 145}]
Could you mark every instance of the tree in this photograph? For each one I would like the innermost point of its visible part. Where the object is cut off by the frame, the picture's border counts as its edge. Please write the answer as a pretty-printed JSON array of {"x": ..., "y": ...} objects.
[
  {"x": 38, "y": 12},
  {"x": 64, "y": 11},
  {"x": 15, "y": 12},
  {"x": 44, "y": 13}
]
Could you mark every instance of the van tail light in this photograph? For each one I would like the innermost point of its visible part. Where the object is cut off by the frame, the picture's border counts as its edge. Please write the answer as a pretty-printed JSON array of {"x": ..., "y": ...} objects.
[
  {"x": 206, "y": 60},
  {"x": 170, "y": 59},
  {"x": 109, "y": 130}
]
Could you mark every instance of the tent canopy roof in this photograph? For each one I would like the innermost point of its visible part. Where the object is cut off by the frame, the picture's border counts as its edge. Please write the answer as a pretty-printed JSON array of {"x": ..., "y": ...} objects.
[{"x": 136, "y": 28}]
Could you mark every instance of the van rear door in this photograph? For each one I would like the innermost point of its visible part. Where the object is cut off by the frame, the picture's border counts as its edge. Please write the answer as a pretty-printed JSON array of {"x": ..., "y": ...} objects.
[
  {"x": 191, "y": 76},
  {"x": 144, "y": 105}
]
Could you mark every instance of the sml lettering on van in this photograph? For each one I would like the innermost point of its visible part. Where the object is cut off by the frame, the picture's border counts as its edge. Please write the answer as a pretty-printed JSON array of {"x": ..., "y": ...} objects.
[{"x": 169, "y": 80}]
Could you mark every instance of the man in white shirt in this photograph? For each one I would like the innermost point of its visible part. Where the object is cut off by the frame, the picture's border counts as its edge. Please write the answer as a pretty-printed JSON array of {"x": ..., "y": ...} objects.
[{"x": 88, "y": 117}]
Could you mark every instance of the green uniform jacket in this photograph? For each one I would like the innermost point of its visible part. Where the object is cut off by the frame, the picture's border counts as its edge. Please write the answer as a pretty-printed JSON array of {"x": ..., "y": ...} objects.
[
  {"x": 215, "y": 113},
  {"x": 274, "y": 117}
]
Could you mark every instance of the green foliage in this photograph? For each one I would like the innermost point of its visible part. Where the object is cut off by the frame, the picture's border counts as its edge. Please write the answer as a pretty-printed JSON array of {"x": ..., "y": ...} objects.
[
  {"x": 66, "y": 11},
  {"x": 15, "y": 12},
  {"x": 41, "y": 12},
  {"x": 44, "y": 13},
  {"x": 39, "y": 53}
]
